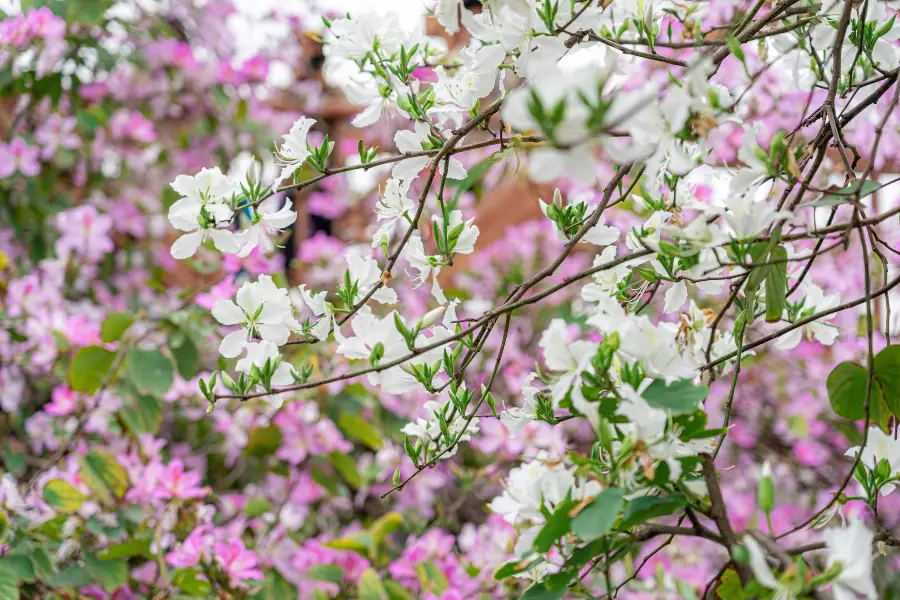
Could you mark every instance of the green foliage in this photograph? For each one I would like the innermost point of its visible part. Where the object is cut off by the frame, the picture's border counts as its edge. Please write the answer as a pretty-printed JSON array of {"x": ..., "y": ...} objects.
[
  {"x": 186, "y": 354},
  {"x": 357, "y": 428},
  {"x": 263, "y": 441},
  {"x": 106, "y": 477},
  {"x": 189, "y": 581},
  {"x": 63, "y": 496},
  {"x": 558, "y": 524},
  {"x": 680, "y": 397},
  {"x": 598, "y": 517},
  {"x": 142, "y": 414},
  {"x": 848, "y": 382},
  {"x": 275, "y": 587},
  {"x": 115, "y": 325},
  {"x": 90, "y": 368},
  {"x": 645, "y": 508},
  {"x": 150, "y": 371}
]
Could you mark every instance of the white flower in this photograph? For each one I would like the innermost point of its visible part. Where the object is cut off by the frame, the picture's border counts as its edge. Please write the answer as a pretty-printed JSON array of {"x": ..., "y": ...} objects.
[
  {"x": 748, "y": 217},
  {"x": 203, "y": 205},
  {"x": 473, "y": 80},
  {"x": 850, "y": 548},
  {"x": 321, "y": 309},
  {"x": 599, "y": 235},
  {"x": 364, "y": 270},
  {"x": 187, "y": 245},
  {"x": 294, "y": 149},
  {"x": 354, "y": 38},
  {"x": 762, "y": 572},
  {"x": 430, "y": 430},
  {"x": 815, "y": 301},
  {"x": 560, "y": 84},
  {"x": 414, "y": 253},
  {"x": 606, "y": 282},
  {"x": 540, "y": 483},
  {"x": 879, "y": 445},
  {"x": 569, "y": 360},
  {"x": 370, "y": 331},
  {"x": 262, "y": 309},
  {"x": 209, "y": 186},
  {"x": 516, "y": 418},
  {"x": 648, "y": 423},
  {"x": 447, "y": 13},
  {"x": 416, "y": 141},
  {"x": 376, "y": 96},
  {"x": 393, "y": 207},
  {"x": 264, "y": 226},
  {"x": 258, "y": 353},
  {"x": 706, "y": 266},
  {"x": 655, "y": 346},
  {"x": 467, "y": 232}
]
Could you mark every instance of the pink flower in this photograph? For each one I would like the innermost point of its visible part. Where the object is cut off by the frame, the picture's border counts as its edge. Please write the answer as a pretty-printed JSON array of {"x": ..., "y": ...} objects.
[
  {"x": 174, "y": 482},
  {"x": 237, "y": 561},
  {"x": 19, "y": 156},
  {"x": 85, "y": 233},
  {"x": 191, "y": 550},
  {"x": 225, "y": 289},
  {"x": 63, "y": 402},
  {"x": 57, "y": 132}
]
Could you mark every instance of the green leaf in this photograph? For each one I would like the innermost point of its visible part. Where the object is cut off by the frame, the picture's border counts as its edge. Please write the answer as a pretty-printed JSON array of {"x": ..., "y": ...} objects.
[
  {"x": 558, "y": 525},
  {"x": 142, "y": 414},
  {"x": 431, "y": 578},
  {"x": 735, "y": 47},
  {"x": 63, "y": 496},
  {"x": 357, "y": 542},
  {"x": 847, "y": 390},
  {"x": 74, "y": 576},
  {"x": 275, "y": 587},
  {"x": 126, "y": 550},
  {"x": 847, "y": 193},
  {"x": 645, "y": 508},
  {"x": 598, "y": 517},
  {"x": 150, "y": 371},
  {"x": 384, "y": 526},
  {"x": 186, "y": 355},
  {"x": 88, "y": 12},
  {"x": 111, "y": 574},
  {"x": 887, "y": 371},
  {"x": 680, "y": 397},
  {"x": 395, "y": 591},
  {"x": 540, "y": 592},
  {"x": 370, "y": 586},
  {"x": 188, "y": 581},
  {"x": 263, "y": 441},
  {"x": 106, "y": 477},
  {"x": 776, "y": 284},
  {"x": 354, "y": 426},
  {"x": 9, "y": 585},
  {"x": 332, "y": 573},
  {"x": 89, "y": 368},
  {"x": 256, "y": 507},
  {"x": 18, "y": 567},
  {"x": 115, "y": 325},
  {"x": 729, "y": 587},
  {"x": 345, "y": 465}
]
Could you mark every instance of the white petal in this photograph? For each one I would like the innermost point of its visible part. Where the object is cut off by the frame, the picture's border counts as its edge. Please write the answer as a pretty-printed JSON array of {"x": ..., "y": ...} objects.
[
  {"x": 227, "y": 312},
  {"x": 233, "y": 343},
  {"x": 224, "y": 241},
  {"x": 675, "y": 297},
  {"x": 186, "y": 245}
]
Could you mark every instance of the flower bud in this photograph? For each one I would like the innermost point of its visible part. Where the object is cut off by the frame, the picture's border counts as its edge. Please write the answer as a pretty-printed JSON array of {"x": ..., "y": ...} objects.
[
  {"x": 765, "y": 493},
  {"x": 431, "y": 317}
]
